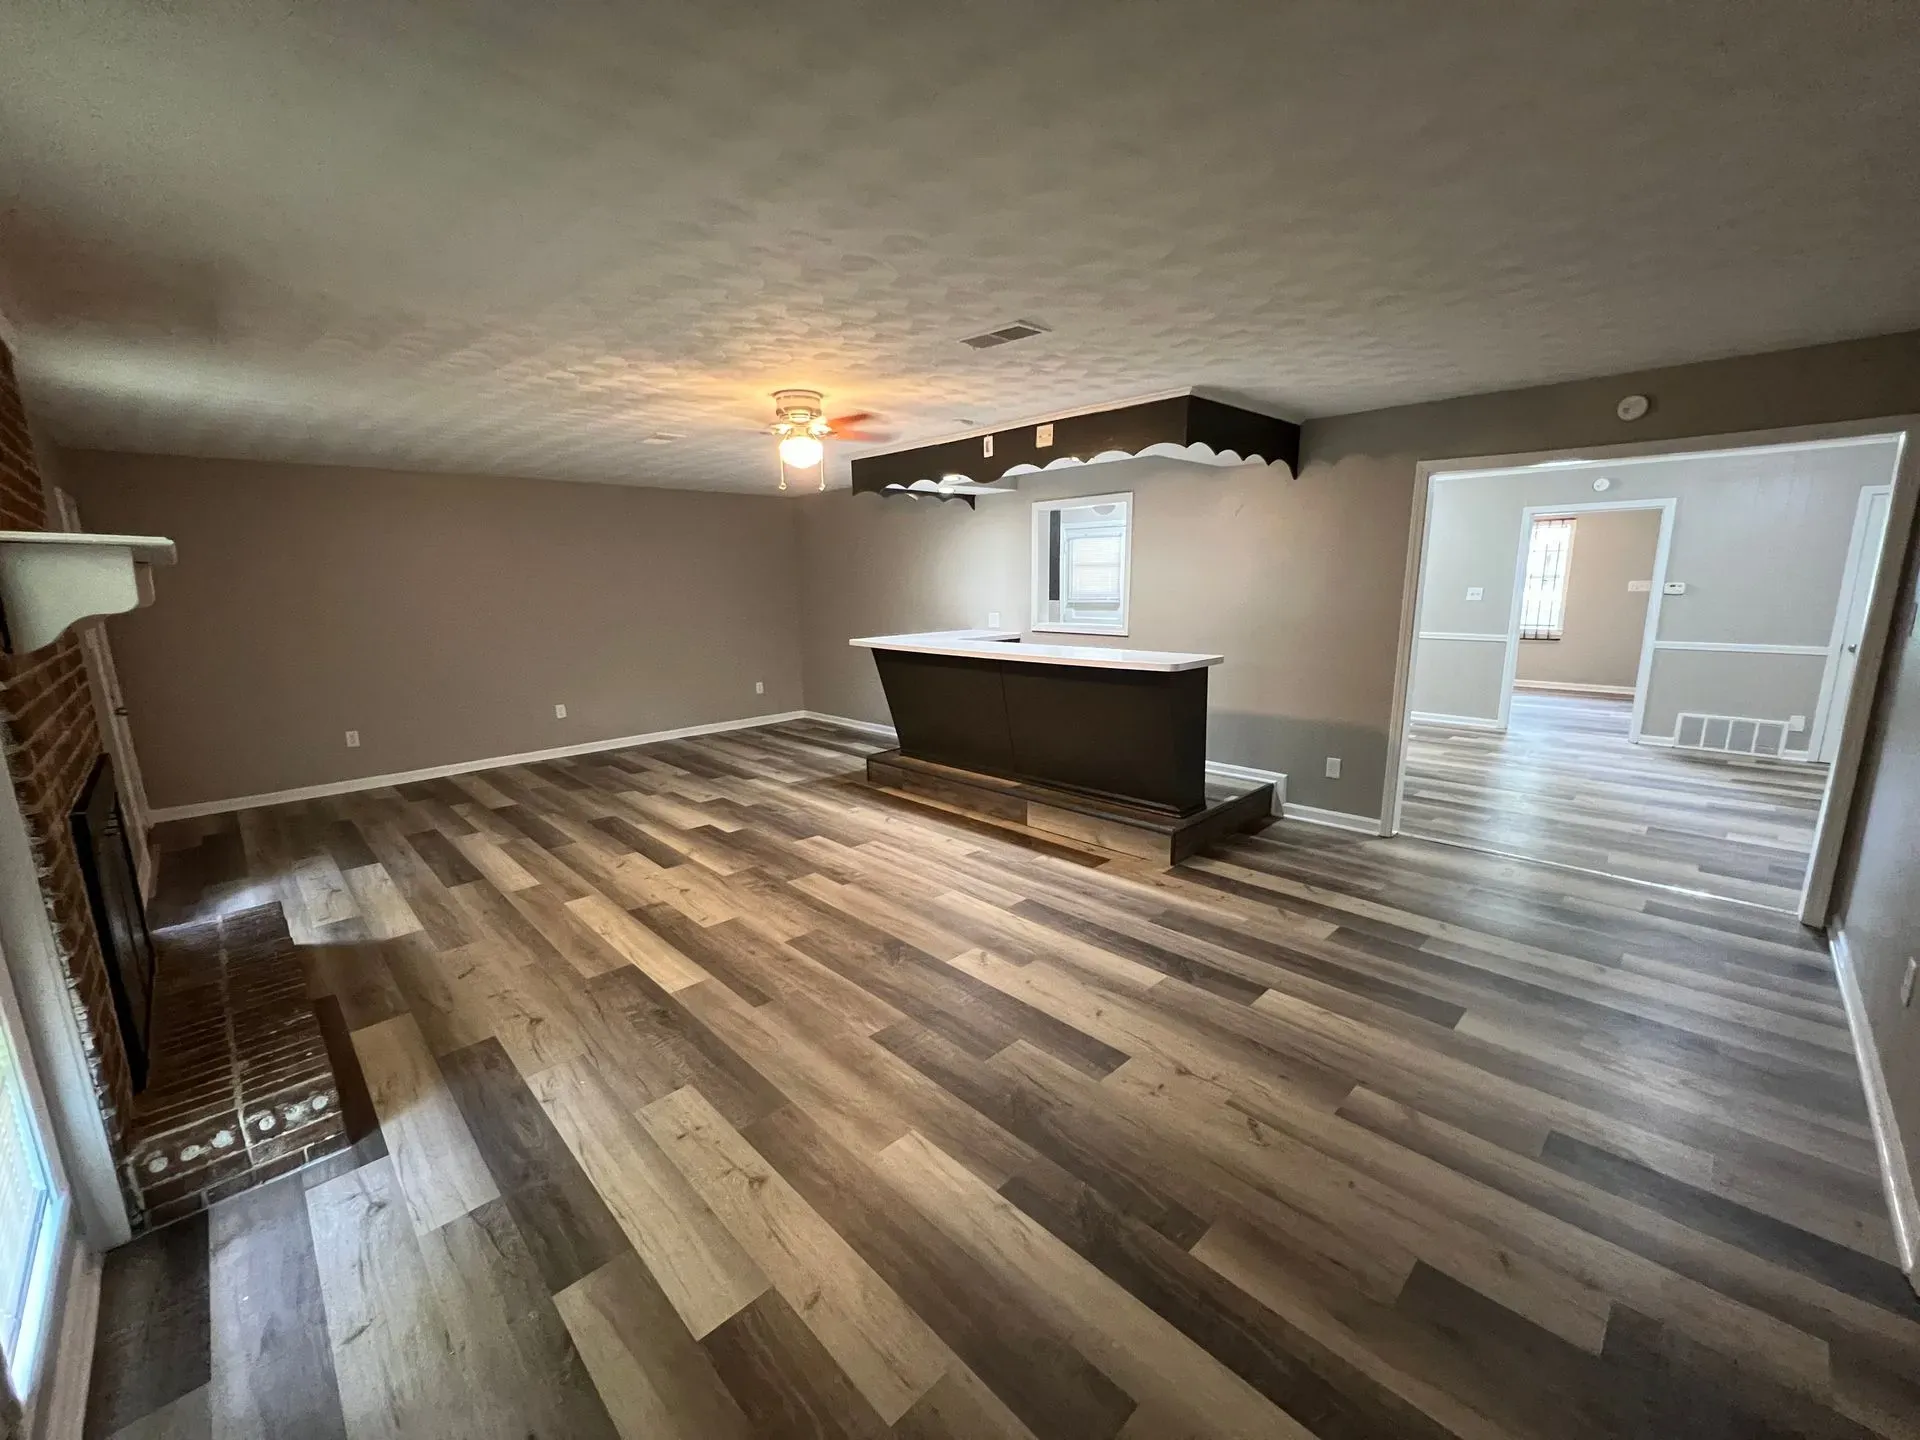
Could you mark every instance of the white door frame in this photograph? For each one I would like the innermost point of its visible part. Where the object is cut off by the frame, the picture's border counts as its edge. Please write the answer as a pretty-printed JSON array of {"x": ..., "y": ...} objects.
[
  {"x": 1649, "y": 629},
  {"x": 1858, "y": 562},
  {"x": 1842, "y": 778}
]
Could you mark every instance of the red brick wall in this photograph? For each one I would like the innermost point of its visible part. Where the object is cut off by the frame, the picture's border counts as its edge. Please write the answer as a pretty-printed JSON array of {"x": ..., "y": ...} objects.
[{"x": 47, "y": 724}]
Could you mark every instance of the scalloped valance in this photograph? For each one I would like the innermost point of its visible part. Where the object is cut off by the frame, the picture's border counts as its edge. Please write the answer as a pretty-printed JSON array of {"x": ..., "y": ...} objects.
[{"x": 1179, "y": 427}]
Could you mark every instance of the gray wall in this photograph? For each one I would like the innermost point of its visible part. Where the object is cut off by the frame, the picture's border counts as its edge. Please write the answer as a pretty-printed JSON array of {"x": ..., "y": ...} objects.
[
  {"x": 1759, "y": 538},
  {"x": 441, "y": 616},
  {"x": 1879, "y": 904},
  {"x": 1604, "y": 622}
]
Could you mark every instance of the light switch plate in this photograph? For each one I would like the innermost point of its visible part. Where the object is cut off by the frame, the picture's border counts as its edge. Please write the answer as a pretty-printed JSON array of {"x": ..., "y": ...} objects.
[
  {"x": 1639, "y": 587},
  {"x": 993, "y": 619},
  {"x": 1476, "y": 592},
  {"x": 353, "y": 739},
  {"x": 1333, "y": 767},
  {"x": 1042, "y": 436},
  {"x": 1674, "y": 587},
  {"x": 559, "y": 712},
  {"x": 1796, "y": 723},
  {"x": 986, "y": 446}
]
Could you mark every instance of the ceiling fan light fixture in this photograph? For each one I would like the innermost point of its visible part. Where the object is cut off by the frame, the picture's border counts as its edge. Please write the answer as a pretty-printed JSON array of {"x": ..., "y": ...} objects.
[
  {"x": 800, "y": 422},
  {"x": 802, "y": 452}
]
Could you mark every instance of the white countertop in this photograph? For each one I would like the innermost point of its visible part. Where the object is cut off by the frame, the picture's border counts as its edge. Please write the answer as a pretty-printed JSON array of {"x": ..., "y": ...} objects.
[{"x": 993, "y": 645}]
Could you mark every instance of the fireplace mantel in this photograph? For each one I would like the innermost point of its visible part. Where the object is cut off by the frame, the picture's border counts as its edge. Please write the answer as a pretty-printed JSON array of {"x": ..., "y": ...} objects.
[{"x": 49, "y": 579}]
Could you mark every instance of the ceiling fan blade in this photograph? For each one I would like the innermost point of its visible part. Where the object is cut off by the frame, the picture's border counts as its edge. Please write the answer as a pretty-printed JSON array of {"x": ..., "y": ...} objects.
[{"x": 864, "y": 437}]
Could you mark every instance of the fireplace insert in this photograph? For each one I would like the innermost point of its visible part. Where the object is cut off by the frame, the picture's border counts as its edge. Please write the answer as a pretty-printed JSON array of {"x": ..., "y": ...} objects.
[{"x": 119, "y": 917}]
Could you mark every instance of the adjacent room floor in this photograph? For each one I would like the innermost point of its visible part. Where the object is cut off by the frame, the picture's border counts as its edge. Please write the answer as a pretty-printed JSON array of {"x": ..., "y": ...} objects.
[
  {"x": 1563, "y": 784},
  {"x": 718, "y": 1095}
]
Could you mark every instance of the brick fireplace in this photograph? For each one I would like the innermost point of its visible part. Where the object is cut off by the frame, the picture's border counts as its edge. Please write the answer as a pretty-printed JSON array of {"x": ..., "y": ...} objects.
[
  {"x": 239, "y": 1086},
  {"x": 52, "y": 745}
]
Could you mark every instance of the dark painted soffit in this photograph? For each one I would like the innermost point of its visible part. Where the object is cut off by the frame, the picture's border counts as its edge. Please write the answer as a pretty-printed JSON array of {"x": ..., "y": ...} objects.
[{"x": 1184, "y": 427}]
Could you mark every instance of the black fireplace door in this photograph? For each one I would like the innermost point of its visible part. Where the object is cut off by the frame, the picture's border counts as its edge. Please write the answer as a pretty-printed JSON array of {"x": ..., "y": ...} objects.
[{"x": 119, "y": 917}]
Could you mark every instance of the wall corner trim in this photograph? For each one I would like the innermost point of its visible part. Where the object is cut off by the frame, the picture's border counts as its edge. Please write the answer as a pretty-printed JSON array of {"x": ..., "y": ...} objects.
[
  {"x": 463, "y": 767},
  {"x": 1895, "y": 1173},
  {"x": 1333, "y": 819}
]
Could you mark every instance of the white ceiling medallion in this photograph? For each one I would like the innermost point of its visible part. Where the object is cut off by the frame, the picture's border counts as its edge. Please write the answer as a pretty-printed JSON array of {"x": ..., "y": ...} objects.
[{"x": 1632, "y": 407}]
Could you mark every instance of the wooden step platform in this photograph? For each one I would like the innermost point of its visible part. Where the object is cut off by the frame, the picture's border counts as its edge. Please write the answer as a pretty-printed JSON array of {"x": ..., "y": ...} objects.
[{"x": 1109, "y": 824}]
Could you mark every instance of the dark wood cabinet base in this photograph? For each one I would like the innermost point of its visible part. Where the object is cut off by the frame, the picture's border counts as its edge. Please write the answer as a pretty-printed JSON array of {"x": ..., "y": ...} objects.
[{"x": 1125, "y": 829}]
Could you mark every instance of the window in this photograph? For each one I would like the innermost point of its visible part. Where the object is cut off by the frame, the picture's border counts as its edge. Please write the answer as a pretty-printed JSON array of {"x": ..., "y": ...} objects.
[
  {"x": 1081, "y": 563},
  {"x": 1543, "y": 603},
  {"x": 32, "y": 1213}
]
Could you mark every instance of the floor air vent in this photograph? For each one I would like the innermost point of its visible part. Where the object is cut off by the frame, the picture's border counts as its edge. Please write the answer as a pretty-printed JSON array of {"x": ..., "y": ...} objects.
[{"x": 1729, "y": 734}]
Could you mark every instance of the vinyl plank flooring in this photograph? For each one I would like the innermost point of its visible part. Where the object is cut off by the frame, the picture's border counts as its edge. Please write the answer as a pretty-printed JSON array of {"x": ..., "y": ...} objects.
[
  {"x": 706, "y": 1274},
  {"x": 1564, "y": 784},
  {"x": 273, "y": 1376},
  {"x": 717, "y": 1094},
  {"x": 438, "y": 1171},
  {"x": 886, "y": 1351}
]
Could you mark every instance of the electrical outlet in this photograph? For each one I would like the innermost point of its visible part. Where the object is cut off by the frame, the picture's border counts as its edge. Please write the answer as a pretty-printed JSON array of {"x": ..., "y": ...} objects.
[
  {"x": 559, "y": 712},
  {"x": 1476, "y": 592},
  {"x": 993, "y": 619},
  {"x": 759, "y": 687},
  {"x": 1796, "y": 723},
  {"x": 1906, "y": 985},
  {"x": 1674, "y": 587},
  {"x": 1042, "y": 436},
  {"x": 353, "y": 739},
  {"x": 1333, "y": 767}
]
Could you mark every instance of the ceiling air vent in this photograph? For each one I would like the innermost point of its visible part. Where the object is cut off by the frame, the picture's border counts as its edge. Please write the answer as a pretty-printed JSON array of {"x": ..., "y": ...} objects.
[{"x": 1006, "y": 335}]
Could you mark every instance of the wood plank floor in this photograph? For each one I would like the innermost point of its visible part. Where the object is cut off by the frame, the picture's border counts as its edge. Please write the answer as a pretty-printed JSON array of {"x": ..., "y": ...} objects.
[
  {"x": 1563, "y": 784},
  {"x": 721, "y": 1096}
]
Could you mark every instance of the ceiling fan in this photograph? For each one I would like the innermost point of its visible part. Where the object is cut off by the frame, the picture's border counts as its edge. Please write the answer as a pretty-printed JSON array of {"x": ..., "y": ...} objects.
[{"x": 801, "y": 422}]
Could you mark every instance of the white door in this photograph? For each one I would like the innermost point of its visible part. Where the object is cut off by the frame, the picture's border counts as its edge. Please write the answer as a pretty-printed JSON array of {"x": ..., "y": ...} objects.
[
  {"x": 1856, "y": 591},
  {"x": 110, "y": 705}
]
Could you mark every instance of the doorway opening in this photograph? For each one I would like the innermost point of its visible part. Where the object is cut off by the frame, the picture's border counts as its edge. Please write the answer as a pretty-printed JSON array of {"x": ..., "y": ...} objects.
[{"x": 1641, "y": 666}]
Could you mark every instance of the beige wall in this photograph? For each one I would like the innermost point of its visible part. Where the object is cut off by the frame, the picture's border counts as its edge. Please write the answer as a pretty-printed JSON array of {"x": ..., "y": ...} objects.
[
  {"x": 1318, "y": 560},
  {"x": 1605, "y": 622},
  {"x": 1760, "y": 539},
  {"x": 441, "y": 616},
  {"x": 1246, "y": 561},
  {"x": 1879, "y": 905}
]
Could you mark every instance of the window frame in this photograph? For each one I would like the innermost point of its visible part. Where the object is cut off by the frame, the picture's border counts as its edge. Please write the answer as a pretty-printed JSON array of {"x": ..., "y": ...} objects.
[{"x": 1042, "y": 549}]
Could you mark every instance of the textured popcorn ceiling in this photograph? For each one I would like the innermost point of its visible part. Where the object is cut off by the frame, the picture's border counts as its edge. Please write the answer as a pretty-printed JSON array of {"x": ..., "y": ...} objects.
[{"x": 514, "y": 236}]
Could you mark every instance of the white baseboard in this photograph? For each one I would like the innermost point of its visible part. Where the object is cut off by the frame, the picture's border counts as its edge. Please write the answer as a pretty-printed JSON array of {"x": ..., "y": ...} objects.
[
  {"x": 1895, "y": 1173},
  {"x": 1333, "y": 819},
  {"x": 60, "y": 1411},
  {"x": 1457, "y": 722},
  {"x": 1559, "y": 687},
  {"x": 464, "y": 767},
  {"x": 1663, "y": 742},
  {"x": 882, "y": 732},
  {"x": 1247, "y": 775}
]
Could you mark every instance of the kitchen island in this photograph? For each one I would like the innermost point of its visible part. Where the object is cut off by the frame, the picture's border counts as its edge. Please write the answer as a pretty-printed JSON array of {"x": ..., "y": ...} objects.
[{"x": 1107, "y": 745}]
